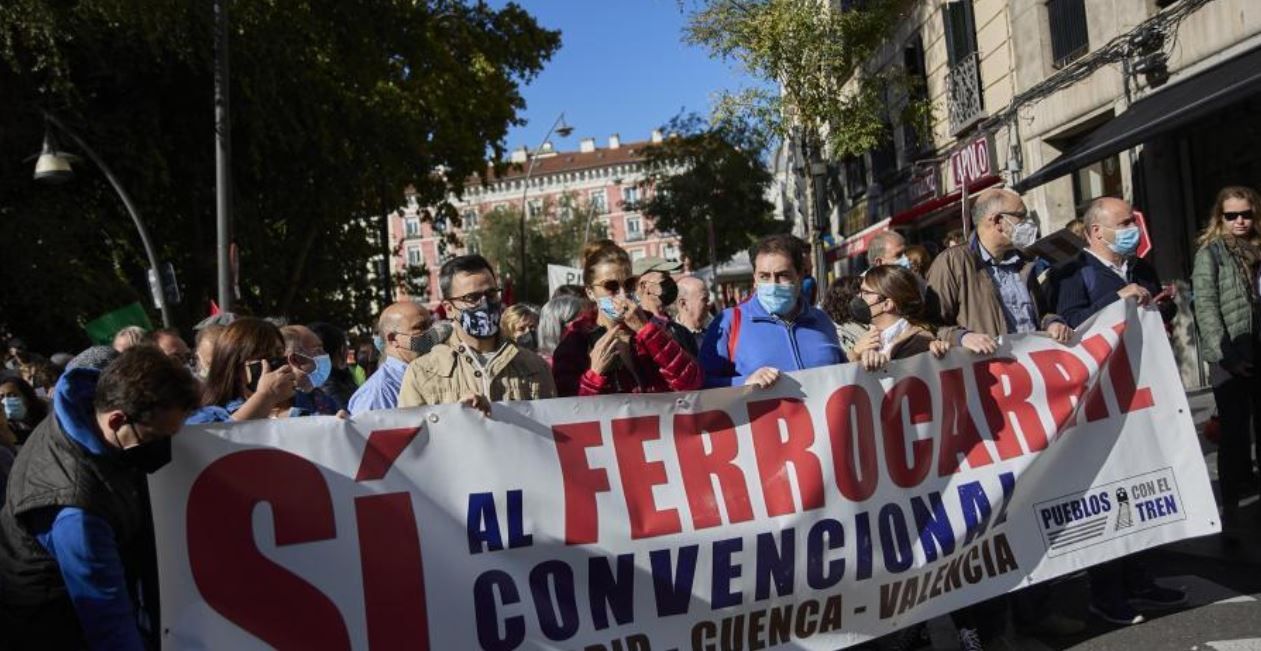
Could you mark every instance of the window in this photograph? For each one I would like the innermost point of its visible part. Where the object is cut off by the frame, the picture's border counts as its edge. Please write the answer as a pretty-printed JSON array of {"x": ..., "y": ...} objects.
[
  {"x": 535, "y": 208},
  {"x": 670, "y": 251},
  {"x": 414, "y": 256},
  {"x": 1069, "y": 38},
  {"x": 634, "y": 229},
  {"x": 599, "y": 202},
  {"x": 566, "y": 208},
  {"x": 637, "y": 254},
  {"x": 630, "y": 195},
  {"x": 855, "y": 177},
  {"x": 470, "y": 217},
  {"x": 960, "y": 30},
  {"x": 411, "y": 227}
]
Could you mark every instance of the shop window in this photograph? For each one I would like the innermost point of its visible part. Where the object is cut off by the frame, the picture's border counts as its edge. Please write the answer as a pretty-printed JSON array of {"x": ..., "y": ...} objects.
[{"x": 1069, "y": 38}]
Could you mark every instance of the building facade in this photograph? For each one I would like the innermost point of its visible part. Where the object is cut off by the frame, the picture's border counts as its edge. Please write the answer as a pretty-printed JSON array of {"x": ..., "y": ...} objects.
[
  {"x": 1153, "y": 101},
  {"x": 604, "y": 182}
]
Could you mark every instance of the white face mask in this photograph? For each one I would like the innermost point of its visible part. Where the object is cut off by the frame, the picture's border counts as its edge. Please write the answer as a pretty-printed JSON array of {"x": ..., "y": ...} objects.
[{"x": 1024, "y": 233}]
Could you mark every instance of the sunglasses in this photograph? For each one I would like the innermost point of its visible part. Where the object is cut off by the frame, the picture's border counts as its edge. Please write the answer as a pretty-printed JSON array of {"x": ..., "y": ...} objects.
[
  {"x": 612, "y": 286},
  {"x": 1234, "y": 215}
]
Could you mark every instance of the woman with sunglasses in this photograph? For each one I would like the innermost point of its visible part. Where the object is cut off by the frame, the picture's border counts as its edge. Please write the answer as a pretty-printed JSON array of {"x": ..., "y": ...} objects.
[
  {"x": 619, "y": 348},
  {"x": 249, "y": 376},
  {"x": 1226, "y": 312}
]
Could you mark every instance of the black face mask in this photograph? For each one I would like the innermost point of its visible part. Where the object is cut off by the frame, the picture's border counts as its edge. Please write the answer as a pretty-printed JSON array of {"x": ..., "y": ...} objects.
[
  {"x": 528, "y": 341},
  {"x": 860, "y": 311},
  {"x": 148, "y": 457},
  {"x": 669, "y": 291}
]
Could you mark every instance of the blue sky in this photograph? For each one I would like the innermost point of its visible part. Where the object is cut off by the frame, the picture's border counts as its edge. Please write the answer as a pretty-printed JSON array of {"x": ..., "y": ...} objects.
[{"x": 622, "y": 68}]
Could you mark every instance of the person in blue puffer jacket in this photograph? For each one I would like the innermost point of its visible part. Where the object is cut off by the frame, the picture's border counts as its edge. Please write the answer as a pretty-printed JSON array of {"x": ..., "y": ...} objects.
[{"x": 775, "y": 331}]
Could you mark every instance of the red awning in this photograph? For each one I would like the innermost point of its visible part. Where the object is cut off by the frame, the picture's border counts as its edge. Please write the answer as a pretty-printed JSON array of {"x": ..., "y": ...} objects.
[
  {"x": 933, "y": 205},
  {"x": 858, "y": 242}
]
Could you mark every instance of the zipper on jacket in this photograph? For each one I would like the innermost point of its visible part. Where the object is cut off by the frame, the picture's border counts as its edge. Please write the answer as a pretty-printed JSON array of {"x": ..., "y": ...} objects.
[{"x": 792, "y": 341}]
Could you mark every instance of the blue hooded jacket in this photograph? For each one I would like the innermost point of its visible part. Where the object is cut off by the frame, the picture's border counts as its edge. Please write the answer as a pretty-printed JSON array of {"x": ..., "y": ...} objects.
[
  {"x": 767, "y": 340},
  {"x": 83, "y": 544}
]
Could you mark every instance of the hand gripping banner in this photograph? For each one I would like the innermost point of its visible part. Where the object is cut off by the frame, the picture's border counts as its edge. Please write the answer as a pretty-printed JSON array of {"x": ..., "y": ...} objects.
[{"x": 837, "y": 506}]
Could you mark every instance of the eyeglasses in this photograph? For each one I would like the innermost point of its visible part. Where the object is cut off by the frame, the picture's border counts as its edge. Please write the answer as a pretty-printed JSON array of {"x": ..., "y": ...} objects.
[
  {"x": 612, "y": 286},
  {"x": 868, "y": 292},
  {"x": 1237, "y": 214},
  {"x": 1020, "y": 215},
  {"x": 474, "y": 298}
]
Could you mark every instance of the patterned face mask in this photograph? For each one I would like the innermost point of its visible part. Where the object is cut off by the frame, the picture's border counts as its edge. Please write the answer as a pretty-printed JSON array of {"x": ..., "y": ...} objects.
[{"x": 482, "y": 320}]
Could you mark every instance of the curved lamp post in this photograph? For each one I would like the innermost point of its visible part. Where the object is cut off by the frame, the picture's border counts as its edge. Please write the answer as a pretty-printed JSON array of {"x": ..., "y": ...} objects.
[
  {"x": 53, "y": 166},
  {"x": 563, "y": 130}
]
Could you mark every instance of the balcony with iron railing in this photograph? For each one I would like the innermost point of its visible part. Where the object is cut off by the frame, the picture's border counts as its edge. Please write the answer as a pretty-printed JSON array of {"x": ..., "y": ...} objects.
[{"x": 964, "y": 99}]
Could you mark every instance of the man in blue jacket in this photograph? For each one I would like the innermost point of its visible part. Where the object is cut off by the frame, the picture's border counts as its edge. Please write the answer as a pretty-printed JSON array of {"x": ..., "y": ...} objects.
[
  {"x": 778, "y": 330},
  {"x": 74, "y": 531},
  {"x": 1107, "y": 270}
]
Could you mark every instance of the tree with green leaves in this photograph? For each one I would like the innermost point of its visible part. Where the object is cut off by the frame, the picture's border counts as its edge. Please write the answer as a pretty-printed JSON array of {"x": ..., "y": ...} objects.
[
  {"x": 336, "y": 108},
  {"x": 554, "y": 236},
  {"x": 815, "y": 59},
  {"x": 708, "y": 185}
]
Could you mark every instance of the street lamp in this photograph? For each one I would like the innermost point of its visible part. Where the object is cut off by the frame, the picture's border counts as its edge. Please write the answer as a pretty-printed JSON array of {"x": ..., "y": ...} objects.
[
  {"x": 563, "y": 130},
  {"x": 53, "y": 166}
]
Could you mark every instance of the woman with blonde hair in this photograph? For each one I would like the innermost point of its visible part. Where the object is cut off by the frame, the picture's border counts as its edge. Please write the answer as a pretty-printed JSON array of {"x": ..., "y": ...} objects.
[
  {"x": 1226, "y": 313},
  {"x": 520, "y": 324}
]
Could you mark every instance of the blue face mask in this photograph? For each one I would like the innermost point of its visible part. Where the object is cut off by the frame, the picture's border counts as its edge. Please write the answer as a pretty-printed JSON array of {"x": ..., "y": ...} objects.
[
  {"x": 902, "y": 261},
  {"x": 14, "y": 408},
  {"x": 776, "y": 298},
  {"x": 323, "y": 367},
  {"x": 1125, "y": 240},
  {"x": 379, "y": 343},
  {"x": 605, "y": 303}
]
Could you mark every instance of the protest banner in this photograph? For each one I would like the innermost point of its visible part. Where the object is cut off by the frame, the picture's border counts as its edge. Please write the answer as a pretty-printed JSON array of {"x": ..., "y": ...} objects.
[
  {"x": 836, "y": 506},
  {"x": 558, "y": 275}
]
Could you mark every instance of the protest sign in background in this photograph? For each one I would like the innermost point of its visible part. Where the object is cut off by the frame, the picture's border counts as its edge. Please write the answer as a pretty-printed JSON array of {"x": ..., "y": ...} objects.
[
  {"x": 837, "y": 506},
  {"x": 558, "y": 275}
]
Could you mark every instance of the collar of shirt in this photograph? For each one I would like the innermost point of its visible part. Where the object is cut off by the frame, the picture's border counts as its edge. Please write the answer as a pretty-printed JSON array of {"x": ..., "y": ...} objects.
[
  {"x": 1013, "y": 257},
  {"x": 891, "y": 333},
  {"x": 1120, "y": 271}
]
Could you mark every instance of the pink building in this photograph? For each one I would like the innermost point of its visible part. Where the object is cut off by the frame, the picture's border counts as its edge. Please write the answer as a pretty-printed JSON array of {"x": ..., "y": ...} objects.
[{"x": 604, "y": 179}]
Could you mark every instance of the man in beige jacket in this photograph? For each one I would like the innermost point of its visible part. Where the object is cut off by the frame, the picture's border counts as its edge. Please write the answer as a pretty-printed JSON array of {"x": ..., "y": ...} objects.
[{"x": 476, "y": 365}]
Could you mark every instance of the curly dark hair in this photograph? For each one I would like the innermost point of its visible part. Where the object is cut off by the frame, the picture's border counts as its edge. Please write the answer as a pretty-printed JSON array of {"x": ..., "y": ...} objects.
[{"x": 840, "y": 293}]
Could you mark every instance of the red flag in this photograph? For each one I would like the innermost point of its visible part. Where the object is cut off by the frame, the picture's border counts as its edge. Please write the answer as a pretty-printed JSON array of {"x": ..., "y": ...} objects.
[
  {"x": 509, "y": 296},
  {"x": 214, "y": 308}
]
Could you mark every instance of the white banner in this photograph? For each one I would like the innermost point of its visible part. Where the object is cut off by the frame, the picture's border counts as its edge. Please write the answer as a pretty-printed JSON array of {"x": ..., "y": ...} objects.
[
  {"x": 558, "y": 275},
  {"x": 835, "y": 507}
]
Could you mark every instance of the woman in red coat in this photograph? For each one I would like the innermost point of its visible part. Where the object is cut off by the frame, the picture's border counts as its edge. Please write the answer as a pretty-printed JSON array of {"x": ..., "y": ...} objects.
[{"x": 619, "y": 348}]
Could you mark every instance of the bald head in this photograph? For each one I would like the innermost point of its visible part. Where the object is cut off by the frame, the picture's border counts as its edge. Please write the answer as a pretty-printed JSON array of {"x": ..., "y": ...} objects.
[
  {"x": 1104, "y": 217},
  {"x": 399, "y": 324},
  {"x": 991, "y": 202},
  {"x": 693, "y": 302},
  {"x": 997, "y": 215}
]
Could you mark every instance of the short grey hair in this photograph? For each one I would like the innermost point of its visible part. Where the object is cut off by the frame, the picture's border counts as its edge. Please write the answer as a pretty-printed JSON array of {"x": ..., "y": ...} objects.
[
  {"x": 879, "y": 245},
  {"x": 1098, "y": 208},
  {"x": 989, "y": 202}
]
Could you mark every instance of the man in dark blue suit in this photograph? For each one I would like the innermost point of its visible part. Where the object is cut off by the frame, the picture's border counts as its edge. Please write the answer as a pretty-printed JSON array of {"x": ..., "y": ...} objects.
[{"x": 1105, "y": 271}]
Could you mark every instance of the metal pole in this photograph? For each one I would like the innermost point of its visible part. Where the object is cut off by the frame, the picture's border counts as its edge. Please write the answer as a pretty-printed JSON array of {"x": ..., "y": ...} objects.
[
  {"x": 963, "y": 203},
  {"x": 525, "y": 208},
  {"x": 223, "y": 157},
  {"x": 127, "y": 203}
]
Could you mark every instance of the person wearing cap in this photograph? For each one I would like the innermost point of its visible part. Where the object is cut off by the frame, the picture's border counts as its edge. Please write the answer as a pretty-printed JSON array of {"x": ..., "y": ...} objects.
[{"x": 656, "y": 291}]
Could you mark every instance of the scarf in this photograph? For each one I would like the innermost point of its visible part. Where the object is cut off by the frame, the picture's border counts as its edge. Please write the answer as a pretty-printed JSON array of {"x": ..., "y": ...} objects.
[{"x": 1246, "y": 256}]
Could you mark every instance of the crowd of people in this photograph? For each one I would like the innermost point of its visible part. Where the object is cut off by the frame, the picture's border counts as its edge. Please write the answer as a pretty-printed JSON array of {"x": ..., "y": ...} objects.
[{"x": 78, "y": 434}]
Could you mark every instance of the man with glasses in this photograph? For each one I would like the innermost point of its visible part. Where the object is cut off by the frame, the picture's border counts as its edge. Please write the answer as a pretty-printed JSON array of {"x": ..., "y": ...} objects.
[
  {"x": 74, "y": 531},
  {"x": 477, "y": 364},
  {"x": 400, "y": 328},
  {"x": 979, "y": 291},
  {"x": 311, "y": 365},
  {"x": 985, "y": 288}
]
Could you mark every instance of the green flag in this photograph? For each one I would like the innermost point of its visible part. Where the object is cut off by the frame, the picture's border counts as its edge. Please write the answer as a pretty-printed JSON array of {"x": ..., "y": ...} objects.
[{"x": 102, "y": 329}]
